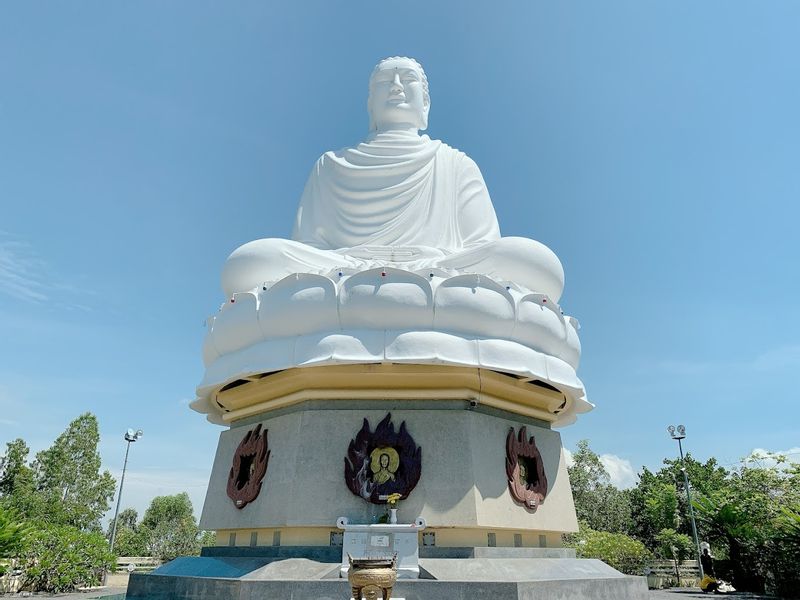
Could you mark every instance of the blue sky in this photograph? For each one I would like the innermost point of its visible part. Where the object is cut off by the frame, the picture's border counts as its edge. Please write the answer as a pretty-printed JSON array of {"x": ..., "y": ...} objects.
[{"x": 654, "y": 146}]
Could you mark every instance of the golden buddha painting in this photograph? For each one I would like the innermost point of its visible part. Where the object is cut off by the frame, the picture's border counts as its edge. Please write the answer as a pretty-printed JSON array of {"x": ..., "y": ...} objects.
[{"x": 383, "y": 462}]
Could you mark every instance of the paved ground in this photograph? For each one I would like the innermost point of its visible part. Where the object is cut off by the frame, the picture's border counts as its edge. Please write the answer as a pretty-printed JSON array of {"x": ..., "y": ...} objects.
[
  {"x": 685, "y": 593},
  {"x": 99, "y": 593},
  {"x": 671, "y": 594}
]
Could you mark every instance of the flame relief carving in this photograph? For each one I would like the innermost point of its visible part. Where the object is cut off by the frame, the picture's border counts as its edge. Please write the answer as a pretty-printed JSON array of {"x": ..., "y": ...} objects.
[
  {"x": 249, "y": 467},
  {"x": 382, "y": 462},
  {"x": 527, "y": 481}
]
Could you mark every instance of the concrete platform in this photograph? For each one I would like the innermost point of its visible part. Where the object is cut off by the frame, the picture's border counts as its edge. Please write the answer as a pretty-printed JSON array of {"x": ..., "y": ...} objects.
[
  {"x": 475, "y": 578},
  {"x": 155, "y": 587}
]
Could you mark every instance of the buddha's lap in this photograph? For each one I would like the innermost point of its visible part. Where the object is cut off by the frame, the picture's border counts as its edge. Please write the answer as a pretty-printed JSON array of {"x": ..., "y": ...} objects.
[{"x": 519, "y": 260}]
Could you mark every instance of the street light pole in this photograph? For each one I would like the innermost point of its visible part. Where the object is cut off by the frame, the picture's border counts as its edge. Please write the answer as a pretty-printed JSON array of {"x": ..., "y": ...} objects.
[
  {"x": 678, "y": 434},
  {"x": 130, "y": 436}
]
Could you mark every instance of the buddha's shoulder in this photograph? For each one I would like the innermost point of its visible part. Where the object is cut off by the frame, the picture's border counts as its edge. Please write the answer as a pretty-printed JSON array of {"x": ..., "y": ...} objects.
[
  {"x": 445, "y": 148},
  {"x": 458, "y": 157},
  {"x": 427, "y": 147}
]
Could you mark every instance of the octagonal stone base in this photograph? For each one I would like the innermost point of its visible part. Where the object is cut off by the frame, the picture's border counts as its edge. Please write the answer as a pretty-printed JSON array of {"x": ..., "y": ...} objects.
[{"x": 462, "y": 493}]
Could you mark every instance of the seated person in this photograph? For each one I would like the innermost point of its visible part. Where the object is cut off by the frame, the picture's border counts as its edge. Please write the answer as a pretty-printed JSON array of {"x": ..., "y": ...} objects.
[{"x": 397, "y": 199}]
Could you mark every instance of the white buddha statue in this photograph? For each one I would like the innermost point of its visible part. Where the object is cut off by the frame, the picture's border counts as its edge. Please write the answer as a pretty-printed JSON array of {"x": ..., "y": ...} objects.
[{"x": 397, "y": 199}]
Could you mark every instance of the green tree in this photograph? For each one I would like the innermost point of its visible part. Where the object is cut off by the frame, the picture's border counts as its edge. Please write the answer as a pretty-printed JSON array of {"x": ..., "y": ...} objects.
[
  {"x": 17, "y": 487},
  {"x": 13, "y": 532},
  {"x": 790, "y": 523},
  {"x": 785, "y": 554},
  {"x": 674, "y": 546},
  {"x": 128, "y": 518},
  {"x": 615, "y": 549},
  {"x": 60, "y": 558},
  {"x": 661, "y": 506},
  {"x": 587, "y": 471},
  {"x": 598, "y": 503},
  {"x": 130, "y": 540},
  {"x": 706, "y": 478},
  {"x": 654, "y": 506},
  {"x": 50, "y": 509},
  {"x": 747, "y": 520},
  {"x": 728, "y": 525},
  {"x": 208, "y": 538},
  {"x": 169, "y": 527},
  {"x": 13, "y": 465},
  {"x": 659, "y": 499},
  {"x": 68, "y": 480}
]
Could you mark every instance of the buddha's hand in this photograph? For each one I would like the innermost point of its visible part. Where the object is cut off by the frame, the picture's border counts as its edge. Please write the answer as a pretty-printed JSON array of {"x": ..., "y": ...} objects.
[{"x": 393, "y": 253}]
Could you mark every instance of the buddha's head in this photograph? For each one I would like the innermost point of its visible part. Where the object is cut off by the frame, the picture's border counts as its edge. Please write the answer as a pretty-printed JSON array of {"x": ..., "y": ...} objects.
[{"x": 398, "y": 95}]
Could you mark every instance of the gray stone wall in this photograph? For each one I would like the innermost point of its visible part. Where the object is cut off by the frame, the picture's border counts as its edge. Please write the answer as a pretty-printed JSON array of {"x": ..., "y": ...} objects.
[{"x": 463, "y": 482}]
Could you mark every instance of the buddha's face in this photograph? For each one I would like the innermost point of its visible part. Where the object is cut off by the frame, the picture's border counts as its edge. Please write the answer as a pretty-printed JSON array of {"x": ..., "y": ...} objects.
[{"x": 397, "y": 98}]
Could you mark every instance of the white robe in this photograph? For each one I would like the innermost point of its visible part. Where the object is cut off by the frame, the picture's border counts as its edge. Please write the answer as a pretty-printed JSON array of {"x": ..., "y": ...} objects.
[
  {"x": 398, "y": 190},
  {"x": 402, "y": 199}
]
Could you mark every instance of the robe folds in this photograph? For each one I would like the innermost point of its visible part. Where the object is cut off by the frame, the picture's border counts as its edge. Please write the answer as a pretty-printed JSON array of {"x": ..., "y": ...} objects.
[
  {"x": 396, "y": 190},
  {"x": 396, "y": 199}
]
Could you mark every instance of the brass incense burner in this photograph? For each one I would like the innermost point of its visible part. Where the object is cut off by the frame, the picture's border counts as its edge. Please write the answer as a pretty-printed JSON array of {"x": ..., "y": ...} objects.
[{"x": 372, "y": 578}]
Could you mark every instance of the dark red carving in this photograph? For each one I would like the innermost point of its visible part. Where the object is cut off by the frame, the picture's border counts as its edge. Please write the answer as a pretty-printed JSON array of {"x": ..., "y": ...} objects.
[
  {"x": 382, "y": 463},
  {"x": 526, "y": 479},
  {"x": 249, "y": 467}
]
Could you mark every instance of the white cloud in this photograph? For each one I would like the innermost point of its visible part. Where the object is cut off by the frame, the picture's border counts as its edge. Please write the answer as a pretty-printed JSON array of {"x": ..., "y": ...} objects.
[
  {"x": 784, "y": 357},
  {"x": 620, "y": 470},
  {"x": 26, "y": 276},
  {"x": 22, "y": 272},
  {"x": 758, "y": 457}
]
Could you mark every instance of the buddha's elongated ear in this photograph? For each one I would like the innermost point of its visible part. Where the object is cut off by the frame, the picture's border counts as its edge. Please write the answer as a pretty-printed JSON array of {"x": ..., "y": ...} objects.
[{"x": 425, "y": 110}]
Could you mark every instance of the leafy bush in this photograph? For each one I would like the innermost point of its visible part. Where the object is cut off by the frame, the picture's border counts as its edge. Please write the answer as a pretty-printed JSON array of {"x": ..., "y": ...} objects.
[
  {"x": 60, "y": 558},
  {"x": 169, "y": 527},
  {"x": 674, "y": 546},
  {"x": 12, "y": 533},
  {"x": 168, "y": 530},
  {"x": 615, "y": 549},
  {"x": 208, "y": 538},
  {"x": 130, "y": 542},
  {"x": 784, "y": 555}
]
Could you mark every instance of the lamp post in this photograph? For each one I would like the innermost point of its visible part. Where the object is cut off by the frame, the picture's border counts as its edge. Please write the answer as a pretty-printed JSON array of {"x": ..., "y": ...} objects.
[
  {"x": 678, "y": 433},
  {"x": 130, "y": 436}
]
